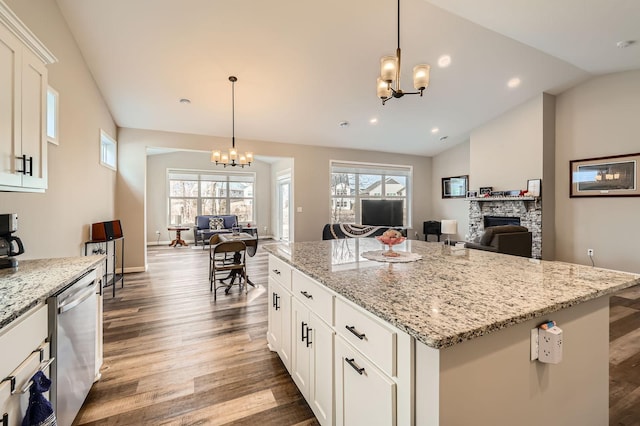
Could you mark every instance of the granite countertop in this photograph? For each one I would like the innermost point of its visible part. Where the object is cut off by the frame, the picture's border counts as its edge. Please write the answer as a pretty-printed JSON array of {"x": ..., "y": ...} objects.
[
  {"x": 35, "y": 280},
  {"x": 450, "y": 295}
]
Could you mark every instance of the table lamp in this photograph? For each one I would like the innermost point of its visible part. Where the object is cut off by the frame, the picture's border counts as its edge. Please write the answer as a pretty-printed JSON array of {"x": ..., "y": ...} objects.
[{"x": 449, "y": 227}]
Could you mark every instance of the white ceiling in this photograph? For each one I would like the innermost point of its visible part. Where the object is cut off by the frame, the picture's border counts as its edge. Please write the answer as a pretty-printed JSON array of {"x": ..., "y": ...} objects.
[{"x": 303, "y": 66}]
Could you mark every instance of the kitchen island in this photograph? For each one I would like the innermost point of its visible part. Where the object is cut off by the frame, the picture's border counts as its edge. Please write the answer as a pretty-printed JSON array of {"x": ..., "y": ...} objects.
[{"x": 464, "y": 318}]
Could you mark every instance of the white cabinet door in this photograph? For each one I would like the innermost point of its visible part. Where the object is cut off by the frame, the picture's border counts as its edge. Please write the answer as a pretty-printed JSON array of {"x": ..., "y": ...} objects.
[
  {"x": 10, "y": 71},
  {"x": 321, "y": 382},
  {"x": 300, "y": 347},
  {"x": 34, "y": 138},
  {"x": 279, "y": 322},
  {"x": 364, "y": 395}
]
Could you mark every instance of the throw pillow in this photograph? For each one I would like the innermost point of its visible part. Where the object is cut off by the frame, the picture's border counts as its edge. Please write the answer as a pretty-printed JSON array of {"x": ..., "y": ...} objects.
[{"x": 216, "y": 223}]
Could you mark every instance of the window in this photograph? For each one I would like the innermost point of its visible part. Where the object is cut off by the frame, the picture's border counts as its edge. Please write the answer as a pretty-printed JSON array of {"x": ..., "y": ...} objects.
[
  {"x": 353, "y": 182},
  {"x": 194, "y": 193},
  {"x": 52, "y": 116},
  {"x": 108, "y": 151}
]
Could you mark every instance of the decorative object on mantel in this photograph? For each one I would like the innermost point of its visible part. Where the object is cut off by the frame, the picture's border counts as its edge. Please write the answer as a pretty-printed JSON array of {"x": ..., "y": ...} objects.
[
  {"x": 401, "y": 256},
  {"x": 472, "y": 194},
  {"x": 486, "y": 190},
  {"x": 615, "y": 176},
  {"x": 390, "y": 72},
  {"x": 534, "y": 188},
  {"x": 455, "y": 187},
  {"x": 232, "y": 158},
  {"x": 391, "y": 238}
]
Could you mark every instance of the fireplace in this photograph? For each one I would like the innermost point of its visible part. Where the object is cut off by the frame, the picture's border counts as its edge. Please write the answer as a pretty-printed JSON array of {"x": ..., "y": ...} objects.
[{"x": 500, "y": 220}]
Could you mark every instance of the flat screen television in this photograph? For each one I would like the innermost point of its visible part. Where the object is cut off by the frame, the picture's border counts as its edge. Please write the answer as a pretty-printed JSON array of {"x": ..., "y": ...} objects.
[{"x": 382, "y": 212}]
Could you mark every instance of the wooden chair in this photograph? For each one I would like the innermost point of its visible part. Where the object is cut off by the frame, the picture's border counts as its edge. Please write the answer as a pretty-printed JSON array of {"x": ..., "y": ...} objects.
[{"x": 219, "y": 262}]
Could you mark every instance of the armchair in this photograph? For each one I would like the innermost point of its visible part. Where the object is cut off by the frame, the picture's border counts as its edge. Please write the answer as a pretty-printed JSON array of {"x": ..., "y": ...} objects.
[{"x": 507, "y": 239}]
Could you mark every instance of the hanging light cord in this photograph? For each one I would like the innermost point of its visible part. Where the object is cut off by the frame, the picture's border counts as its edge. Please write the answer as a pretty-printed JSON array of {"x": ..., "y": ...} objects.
[{"x": 233, "y": 110}]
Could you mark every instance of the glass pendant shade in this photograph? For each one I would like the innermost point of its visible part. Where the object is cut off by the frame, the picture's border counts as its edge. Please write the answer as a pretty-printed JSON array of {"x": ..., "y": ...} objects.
[
  {"x": 383, "y": 89},
  {"x": 215, "y": 156},
  {"x": 249, "y": 157},
  {"x": 388, "y": 68},
  {"x": 421, "y": 76},
  {"x": 224, "y": 158},
  {"x": 233, "y": 154}
]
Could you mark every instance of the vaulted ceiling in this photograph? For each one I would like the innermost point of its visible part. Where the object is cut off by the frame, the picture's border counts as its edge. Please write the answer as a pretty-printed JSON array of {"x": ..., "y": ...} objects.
[{"x": 303, "y": 67}]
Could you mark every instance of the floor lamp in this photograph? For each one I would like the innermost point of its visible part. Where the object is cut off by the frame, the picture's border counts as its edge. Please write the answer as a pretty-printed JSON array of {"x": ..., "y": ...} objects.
[{"x": 449, "y": 227}]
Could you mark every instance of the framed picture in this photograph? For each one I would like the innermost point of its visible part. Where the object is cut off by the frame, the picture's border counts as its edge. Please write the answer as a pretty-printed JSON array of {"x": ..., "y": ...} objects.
[
  {"x": 472, "y": 194},
  {"x": 455, "y": 187},
  {"x": 534, "y": 187},
  {"x": 615, "y": 176},
  {"x": 486, "y": 190}
]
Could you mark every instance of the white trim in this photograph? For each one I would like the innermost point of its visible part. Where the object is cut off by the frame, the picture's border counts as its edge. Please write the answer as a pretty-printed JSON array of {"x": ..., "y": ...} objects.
[
  {"x": 55, "y": 139},
  {"x": 108, "y": 137},
  {"x": 20, "y": 30}
]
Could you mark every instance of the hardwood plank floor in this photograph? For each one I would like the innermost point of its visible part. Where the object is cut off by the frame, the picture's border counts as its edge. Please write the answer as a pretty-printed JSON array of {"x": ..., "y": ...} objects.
[{"x": 173, "y": 356}]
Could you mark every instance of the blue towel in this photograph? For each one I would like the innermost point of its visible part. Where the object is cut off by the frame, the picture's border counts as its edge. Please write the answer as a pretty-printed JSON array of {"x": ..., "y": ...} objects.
[{"x": 39, "y": 412}]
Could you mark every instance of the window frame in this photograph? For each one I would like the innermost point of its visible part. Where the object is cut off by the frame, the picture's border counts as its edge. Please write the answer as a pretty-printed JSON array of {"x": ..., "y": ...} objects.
[
  {"x": 106, "y": 142},
  {"x": 53, "y": 116},
  {"x": 385, "y": 171},
  {"x": 227, "y": 199}
]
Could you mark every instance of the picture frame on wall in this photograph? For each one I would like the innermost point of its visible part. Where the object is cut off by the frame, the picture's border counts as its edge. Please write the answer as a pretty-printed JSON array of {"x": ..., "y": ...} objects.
[
  {"x": 472, "y": 194},
  {"x": 486, "y": 190},
  {"x": 614, "y": 176},
  {"x": 534, "y": 187},
  {"x": 455, "y": 186}
]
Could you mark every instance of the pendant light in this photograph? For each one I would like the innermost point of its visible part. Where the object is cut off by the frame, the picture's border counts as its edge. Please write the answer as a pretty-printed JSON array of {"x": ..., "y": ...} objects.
[{"x": 232, "y": 158}]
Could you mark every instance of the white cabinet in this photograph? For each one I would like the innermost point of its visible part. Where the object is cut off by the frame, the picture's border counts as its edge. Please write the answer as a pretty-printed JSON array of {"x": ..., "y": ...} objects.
[
  {"x": 279, "y": 314},
  {"x": 22, "y": 348},
  {"x": 312, "y": 360},
  {"x": 364, "y": 394},
  {"x": 23, "y": 84}
]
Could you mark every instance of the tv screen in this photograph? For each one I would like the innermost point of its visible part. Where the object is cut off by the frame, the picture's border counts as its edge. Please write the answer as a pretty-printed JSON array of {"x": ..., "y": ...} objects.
[{"x": 382, "y": 212}]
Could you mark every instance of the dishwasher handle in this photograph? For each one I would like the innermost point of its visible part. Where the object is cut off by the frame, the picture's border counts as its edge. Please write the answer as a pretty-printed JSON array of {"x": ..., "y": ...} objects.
[{"x": 77, "y": 299}]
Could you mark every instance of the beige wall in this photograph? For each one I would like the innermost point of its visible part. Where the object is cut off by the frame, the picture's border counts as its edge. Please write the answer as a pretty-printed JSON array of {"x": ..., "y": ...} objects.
[
  {"x": 453, "y": 162},
  {"x": 56, "y": 223},
  {"x": 595, "y": 119},
  {"x": 157, "y": 208},
  {"x": 507, "y": 151},
  {"x": 311, "y": 180}
]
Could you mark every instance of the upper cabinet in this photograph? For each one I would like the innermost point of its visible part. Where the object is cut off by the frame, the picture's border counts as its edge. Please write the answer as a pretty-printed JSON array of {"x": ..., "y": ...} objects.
[{"x": 23, "y": 84}]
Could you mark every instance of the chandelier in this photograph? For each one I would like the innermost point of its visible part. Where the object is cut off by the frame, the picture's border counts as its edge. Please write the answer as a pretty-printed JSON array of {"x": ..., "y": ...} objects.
[
  {"x": 390, "y": 74},
  {"x": 232, "y": 158}
]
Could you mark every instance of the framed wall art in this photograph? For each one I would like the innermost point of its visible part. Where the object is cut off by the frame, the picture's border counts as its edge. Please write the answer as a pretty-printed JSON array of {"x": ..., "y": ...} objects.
[
  {"x": 615, "y": 176},
  {"x": 484, "y": 190},
  {"x": 455, "y": 187},
  {"x": 534, "y": 186}
]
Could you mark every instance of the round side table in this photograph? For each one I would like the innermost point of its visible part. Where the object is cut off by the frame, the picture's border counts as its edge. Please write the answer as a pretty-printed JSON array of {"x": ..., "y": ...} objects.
[{"x": 178, "y": 239}]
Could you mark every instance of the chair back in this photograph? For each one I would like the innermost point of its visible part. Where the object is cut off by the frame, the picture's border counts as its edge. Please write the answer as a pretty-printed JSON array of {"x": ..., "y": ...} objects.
[{"x": 230, "y": 247}]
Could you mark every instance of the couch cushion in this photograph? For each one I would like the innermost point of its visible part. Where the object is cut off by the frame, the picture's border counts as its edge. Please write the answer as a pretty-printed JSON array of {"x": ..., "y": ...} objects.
[{"x": 502, "y": 229}]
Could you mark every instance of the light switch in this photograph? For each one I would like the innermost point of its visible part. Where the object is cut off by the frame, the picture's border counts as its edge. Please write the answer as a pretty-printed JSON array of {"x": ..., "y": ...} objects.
[{"x": 299, "y": 209}]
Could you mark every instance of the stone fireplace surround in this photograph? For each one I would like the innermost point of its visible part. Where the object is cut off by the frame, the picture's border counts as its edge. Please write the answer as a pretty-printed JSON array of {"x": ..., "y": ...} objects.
[{"x": 527, "y": 210}]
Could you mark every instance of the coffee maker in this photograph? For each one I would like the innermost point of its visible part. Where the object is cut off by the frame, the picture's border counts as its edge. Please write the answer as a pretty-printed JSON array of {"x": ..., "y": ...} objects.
[{"x": 9, "y": 245}]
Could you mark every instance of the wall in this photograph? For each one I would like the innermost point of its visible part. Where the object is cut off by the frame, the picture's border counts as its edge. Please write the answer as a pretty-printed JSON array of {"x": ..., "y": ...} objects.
[
  {"x": 56, "y": 223},
  {"x": 157, "y": 209},
  {"x": 453, "y": 162},
  {"x": 310, "y": 177},
  {"x": 595, "y": 119}
]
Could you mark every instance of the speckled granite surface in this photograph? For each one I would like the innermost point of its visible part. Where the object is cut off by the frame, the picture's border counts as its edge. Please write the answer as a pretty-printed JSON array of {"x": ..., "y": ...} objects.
[
  {"x": 450, "y": 295},
  {"x": 35, "y": 280}
]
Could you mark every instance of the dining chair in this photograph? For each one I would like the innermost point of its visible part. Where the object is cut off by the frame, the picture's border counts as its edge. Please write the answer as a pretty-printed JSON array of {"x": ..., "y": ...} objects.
[{"x": 219, "y": 264}]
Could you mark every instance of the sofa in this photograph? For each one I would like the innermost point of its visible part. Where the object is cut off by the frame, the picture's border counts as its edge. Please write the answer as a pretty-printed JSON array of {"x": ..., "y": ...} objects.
[
  {"x": 203, "y": 229},
  {"x": 506, "y": 239}
]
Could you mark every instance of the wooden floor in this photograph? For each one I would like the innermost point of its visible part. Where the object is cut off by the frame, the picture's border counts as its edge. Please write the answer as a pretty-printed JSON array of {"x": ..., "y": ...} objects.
[{"x": 173, "y": 356}]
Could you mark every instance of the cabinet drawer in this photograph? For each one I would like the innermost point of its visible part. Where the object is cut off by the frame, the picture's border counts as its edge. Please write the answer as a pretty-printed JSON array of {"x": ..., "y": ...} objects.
[
  {"x": 314, "y": 295},
  {"x": 280, "y": 271},
  {"x": 22, "y": 336},
  {"x": 367, "y": 334}
]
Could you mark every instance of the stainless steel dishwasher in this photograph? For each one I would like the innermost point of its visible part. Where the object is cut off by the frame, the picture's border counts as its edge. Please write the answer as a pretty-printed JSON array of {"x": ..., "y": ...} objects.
[{"x": 72, "y": 322}]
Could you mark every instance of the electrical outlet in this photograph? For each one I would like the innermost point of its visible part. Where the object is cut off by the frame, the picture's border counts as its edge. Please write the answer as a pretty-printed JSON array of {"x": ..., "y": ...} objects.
[
  {"x": 590, "y": 252},
  {"x": 157, "y": 232},
  {"x": 417, "y": 236}
]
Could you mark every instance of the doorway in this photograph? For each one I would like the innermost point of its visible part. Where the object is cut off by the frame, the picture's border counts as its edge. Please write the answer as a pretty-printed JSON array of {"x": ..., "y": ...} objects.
[{"x": 284, "y": 207}]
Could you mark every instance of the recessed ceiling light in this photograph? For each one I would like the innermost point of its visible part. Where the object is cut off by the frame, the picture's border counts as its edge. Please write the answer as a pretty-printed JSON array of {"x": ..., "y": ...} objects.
[
  {"x": 443, "y": 138},
  {"x": 514, "y": 82},
  {"x": 444, "y": 61},
  {"x": 625, "y": 43},
  {"x": 373, "y": 121},
  {"x": 185, "y": 101},
  {"x": 343, "y": 124},
  {"x": 435, "y": 130}
]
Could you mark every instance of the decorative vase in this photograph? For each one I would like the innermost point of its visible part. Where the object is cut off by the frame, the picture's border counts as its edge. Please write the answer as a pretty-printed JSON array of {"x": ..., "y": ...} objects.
[{"x": 390, "y": 242}]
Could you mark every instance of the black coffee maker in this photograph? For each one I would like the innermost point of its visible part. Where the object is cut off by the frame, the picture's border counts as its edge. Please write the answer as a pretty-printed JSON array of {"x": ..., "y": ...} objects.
[{"x": 9, "y": 245}]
